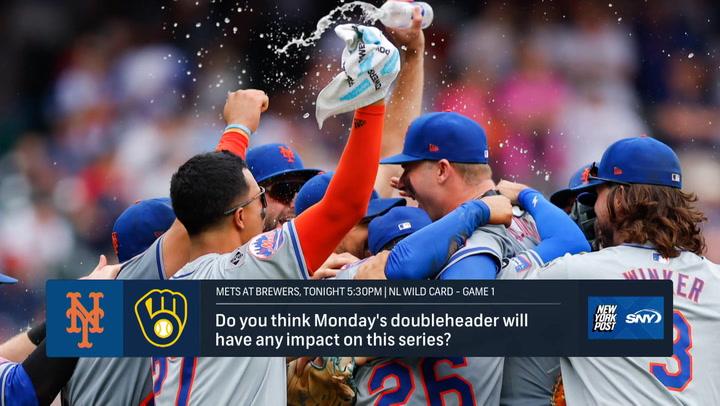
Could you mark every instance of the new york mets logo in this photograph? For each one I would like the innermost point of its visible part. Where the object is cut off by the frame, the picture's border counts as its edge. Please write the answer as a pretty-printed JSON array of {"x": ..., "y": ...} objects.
[
  {"x": 84, "y": 321},
  {"x": 585, "y": 177},
  {"x": 287, "y": 153},
  {"x": 266, "y": 245},
  {"x": 162, "y": 315}
]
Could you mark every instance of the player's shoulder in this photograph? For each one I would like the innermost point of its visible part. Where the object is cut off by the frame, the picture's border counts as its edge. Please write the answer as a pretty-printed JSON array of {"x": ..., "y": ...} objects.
[
  {"x": 200, "y": 268},
  {"x": 264, "y": 246},
  {"x": 145, "y": 265},
  {"x": 5, "y": 366}
]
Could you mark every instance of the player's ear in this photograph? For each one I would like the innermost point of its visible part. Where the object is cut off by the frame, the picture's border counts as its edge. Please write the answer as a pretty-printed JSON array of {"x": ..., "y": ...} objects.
[
  {"x": 239, "y": 219},
  {"x": 442, "y": 170}
]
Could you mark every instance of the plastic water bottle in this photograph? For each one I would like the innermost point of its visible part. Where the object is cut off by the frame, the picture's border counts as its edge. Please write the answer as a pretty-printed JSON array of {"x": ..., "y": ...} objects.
[{"x": 398, "y": 14}]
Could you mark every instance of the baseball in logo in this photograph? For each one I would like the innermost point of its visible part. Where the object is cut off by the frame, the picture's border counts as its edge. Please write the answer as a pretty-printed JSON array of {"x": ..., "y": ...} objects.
[{"x": 162, "y": 315}]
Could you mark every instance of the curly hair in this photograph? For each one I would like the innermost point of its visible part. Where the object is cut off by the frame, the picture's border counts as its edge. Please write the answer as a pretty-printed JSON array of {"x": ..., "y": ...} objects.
[{"x": 663, "y": 216}]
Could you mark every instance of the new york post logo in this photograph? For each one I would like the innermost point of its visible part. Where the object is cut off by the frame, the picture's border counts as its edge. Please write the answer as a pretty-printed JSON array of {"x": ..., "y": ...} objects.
[
  {"x": 162, "y": 316},
  {"x": 625, "y": 318},
  {"x": 83, "y": 321},
  {"x": 605, "y": 318}
]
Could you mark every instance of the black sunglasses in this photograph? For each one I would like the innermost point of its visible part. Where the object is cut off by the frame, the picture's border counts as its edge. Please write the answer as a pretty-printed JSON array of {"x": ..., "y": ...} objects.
[
  {"x": 284, "y": 192},
  {"x": 263, "y": 202}
]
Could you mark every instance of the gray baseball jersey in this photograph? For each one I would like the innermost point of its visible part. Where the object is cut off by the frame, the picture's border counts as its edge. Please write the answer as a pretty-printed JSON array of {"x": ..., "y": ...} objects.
[
  {"x": 234, "y": 381},
  {"x": 525, "y": 380},
  {"x": 503, "y": 244},
  {"x": 691, "y": 375},
  {"x": 456, "y": 381},
  {"x": 117, "y": 381}
]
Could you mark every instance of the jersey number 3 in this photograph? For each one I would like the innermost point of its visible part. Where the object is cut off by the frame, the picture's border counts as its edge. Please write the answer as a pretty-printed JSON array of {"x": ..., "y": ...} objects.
[
  {"x": 436, "y": 387},
  {"x": 682, "y": 344}
]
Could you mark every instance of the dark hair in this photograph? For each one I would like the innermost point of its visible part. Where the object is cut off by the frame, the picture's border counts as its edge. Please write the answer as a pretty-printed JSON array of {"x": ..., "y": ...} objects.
[
  {"x": 660, "y": 215},
  {"x": 206, "y": 186}
]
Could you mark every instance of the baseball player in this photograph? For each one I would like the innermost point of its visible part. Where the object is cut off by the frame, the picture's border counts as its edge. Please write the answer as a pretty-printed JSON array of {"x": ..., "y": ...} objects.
[
  {"x": 534, "y": 380},
  {"x": 37, "y": 379},
  {"x": 474, "y": 380},
  {"x": 355, "y": 242},
  {"x": 650, "y": 229},
  {"x": 127, "y": 381},
  {"x": 222, "y": 208},
  {"x": 280, "y": 170},
  {"x": 385, "y": 231},
  {"x": 444, "y": 161}
]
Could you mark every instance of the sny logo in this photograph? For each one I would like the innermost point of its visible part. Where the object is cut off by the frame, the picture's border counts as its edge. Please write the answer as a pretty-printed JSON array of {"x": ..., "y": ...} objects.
[
  {"x": 162, "y": 315},
  {"x": 89, "y": 320},
  {"x": 605, "y": 318},
  {"x": 644, "y": 316}
]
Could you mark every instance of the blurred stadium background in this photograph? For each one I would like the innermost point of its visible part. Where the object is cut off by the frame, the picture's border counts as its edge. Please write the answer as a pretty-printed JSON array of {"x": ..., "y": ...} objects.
[{"x": 101, "y": 100}]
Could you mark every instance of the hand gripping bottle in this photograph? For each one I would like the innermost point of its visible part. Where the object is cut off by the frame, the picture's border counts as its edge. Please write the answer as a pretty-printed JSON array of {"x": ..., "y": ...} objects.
[{"x": 398, "y": 14}]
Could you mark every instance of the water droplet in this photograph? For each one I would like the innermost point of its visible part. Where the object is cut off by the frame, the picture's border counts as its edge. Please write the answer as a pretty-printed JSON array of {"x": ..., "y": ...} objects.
[{"x": 306, "y": 115}]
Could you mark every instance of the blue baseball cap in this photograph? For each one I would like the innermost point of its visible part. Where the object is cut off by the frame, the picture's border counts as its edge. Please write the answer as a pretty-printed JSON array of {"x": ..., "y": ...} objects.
[
  {"x": 638, "y": 160},
  {"x": 578, "y": 181},
  {"x": 4, "y": 279},
  {"x": 271, "y": 160},
  {"x": 397, "y": 222},
  {"x": 140, "y": 225},
  {"x": 314, "y": 189},
  {"x": 436, "y": 136}
]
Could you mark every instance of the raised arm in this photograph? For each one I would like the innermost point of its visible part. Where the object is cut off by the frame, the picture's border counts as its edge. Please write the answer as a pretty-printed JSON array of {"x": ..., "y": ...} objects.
[
  {"x": 321, "y": 227},
  {"x": 242, "y": 115},
  {"x": 406, "y": 99}
]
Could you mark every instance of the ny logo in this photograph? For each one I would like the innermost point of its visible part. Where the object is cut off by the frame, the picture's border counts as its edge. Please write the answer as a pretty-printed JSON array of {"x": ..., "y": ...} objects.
[
  {"x": 585, "y": 177},
  {"x": 89, "y": 320},
  {"x": 287, "y": 153}
]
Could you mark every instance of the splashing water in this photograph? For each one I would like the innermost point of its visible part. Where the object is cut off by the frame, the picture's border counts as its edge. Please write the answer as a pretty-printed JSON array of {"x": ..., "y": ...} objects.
[{"x": 370, "y": 14}]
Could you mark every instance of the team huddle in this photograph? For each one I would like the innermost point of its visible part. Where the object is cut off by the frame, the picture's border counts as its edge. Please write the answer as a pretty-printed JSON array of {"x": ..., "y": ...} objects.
[{"x": 429, "y": 209}]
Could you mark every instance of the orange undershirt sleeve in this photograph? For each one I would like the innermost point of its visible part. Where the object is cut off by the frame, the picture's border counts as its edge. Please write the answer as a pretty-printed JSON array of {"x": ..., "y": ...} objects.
[
  {"x": 234, "y": 141},
  {"x": 321, "y": 227}
]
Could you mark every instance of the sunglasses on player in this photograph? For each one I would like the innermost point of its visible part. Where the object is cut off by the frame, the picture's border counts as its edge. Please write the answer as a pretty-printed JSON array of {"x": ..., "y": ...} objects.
[
  {"x": 284, "y": 192},
  {"x": 263, "y": 202}
]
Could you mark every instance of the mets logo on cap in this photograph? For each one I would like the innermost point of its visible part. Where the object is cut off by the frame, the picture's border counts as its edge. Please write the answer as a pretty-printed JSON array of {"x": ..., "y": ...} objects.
[{"x": 266, "y": 245}]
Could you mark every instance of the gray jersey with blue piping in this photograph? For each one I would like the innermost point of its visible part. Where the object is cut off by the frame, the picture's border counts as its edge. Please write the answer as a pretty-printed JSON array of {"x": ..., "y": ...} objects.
[
  {"x": 691, "y": 375},
  {"x": 238, "y": 380},
  {"x": 117, "y": 381},
  {"x": 454, "y": 380}
]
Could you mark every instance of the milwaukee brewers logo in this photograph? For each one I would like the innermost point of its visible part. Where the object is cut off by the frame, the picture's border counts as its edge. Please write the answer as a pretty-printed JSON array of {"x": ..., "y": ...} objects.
[
  {"x": 162, "y": 315},
  {"x": 82, "y": 320}
]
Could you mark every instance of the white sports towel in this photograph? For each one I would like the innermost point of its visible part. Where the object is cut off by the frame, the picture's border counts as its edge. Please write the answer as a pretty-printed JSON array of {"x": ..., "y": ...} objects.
[{"x": 370, "y": 65}]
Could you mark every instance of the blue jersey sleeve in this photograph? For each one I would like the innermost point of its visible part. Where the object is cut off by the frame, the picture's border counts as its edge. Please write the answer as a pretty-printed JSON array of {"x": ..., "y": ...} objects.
[
  {"x": 559, "y": 234},
  {"x": 16, "y": 386},
  {"x": 481, "y": 266},
  {"x": 424, "y": 253}
]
